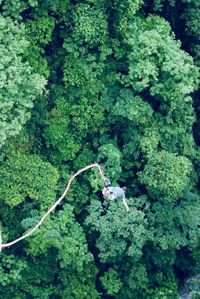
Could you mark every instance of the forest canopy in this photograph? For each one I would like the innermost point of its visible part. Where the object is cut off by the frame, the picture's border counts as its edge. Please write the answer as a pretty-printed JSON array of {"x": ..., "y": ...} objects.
[{"x": 114, "y": 82}]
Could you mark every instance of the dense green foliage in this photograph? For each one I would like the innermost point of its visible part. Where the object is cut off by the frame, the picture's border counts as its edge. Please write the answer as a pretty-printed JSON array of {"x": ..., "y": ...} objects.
[
  {"x": 114, "y": 82},
  {"x": 19, "y": 85}
]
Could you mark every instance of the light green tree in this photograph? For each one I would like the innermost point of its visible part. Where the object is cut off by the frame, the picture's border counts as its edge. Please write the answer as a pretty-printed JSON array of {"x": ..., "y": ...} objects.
[
  {"x": 28, "y": 177},
  {"x": 19, "y": 85}
]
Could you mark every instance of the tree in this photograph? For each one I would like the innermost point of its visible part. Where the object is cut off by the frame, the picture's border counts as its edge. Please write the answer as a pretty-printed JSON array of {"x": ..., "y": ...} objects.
[
  {"x": 39, "y": 33},
  {"x": 111, "y": 282},
  {"x": 160, "y": 173},
  {"x": 11, "y": 269},
  {"x": 25, "y": 176},
  {"x": 90, "y": 24},
  {"x": 64, "y": 239},
  {"x": 120, "y": 92},
  {"x": 15, "y": 8},
  {"x": 119, "y": 237},
  {"x": 19, "y": 85}
]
